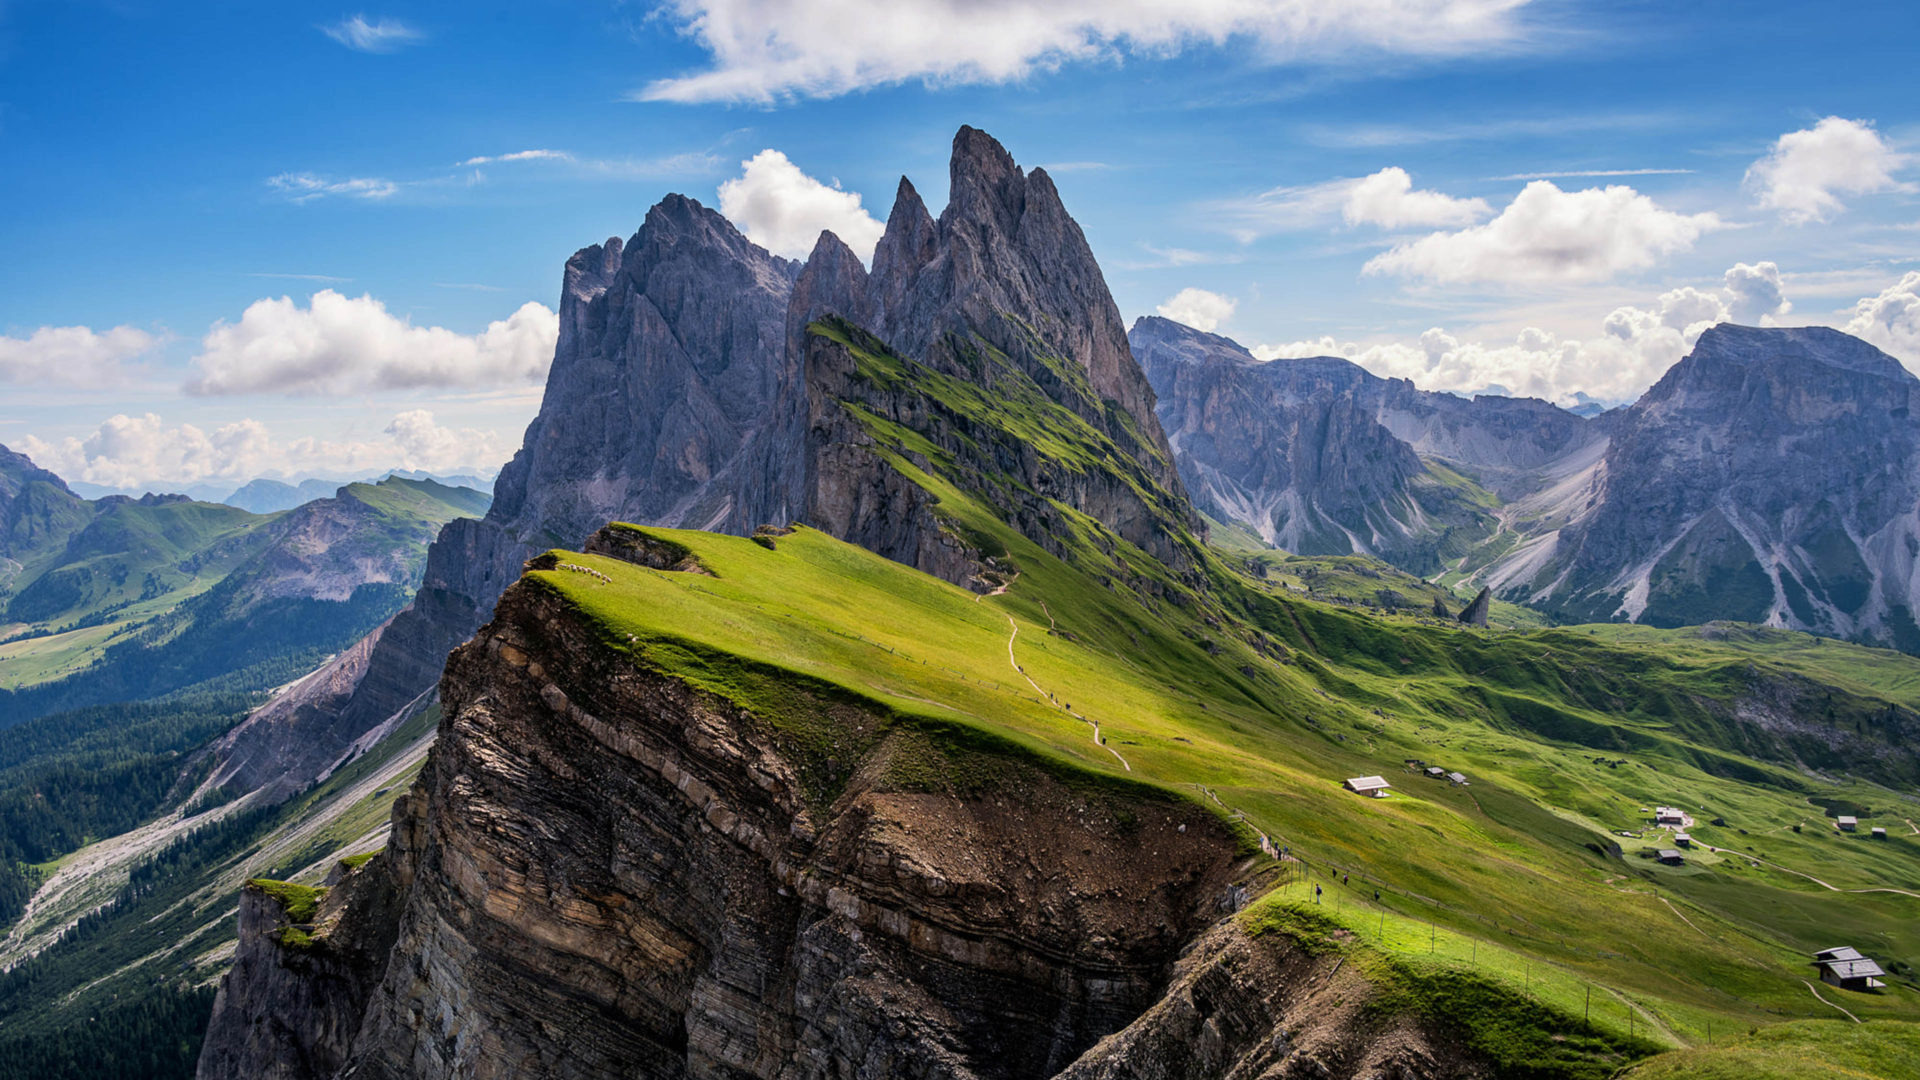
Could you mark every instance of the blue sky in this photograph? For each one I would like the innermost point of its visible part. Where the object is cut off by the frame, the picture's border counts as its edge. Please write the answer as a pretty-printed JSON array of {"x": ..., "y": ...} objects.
[{"x": 1358, "y": 187}]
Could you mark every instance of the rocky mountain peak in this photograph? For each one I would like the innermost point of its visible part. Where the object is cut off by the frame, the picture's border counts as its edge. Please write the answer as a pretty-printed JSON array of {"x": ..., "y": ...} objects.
[{"x": 17, "y": 470}]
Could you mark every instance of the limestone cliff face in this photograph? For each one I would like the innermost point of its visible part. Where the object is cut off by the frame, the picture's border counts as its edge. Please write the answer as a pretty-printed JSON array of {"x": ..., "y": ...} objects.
[
  {"x": 289, "y": 1007},
  {"x": 1773, "y": 475},
  {"x": 685, "y": 391},
  {"x": 1306, "y": 452},
  {"x": 604, "y": 872}
]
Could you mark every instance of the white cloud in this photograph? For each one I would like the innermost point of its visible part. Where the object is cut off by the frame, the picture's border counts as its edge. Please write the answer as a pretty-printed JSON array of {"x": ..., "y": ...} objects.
[
  {"x": 519, "y": 155},
  {"x": 75, "y": 355},
  {"x": 1891, "y": 320},
  {"x": 342, "y": 345},
  {"x": 770, "y": 50},
  {"x": 1805, "y": 169},
  {"x": 784, "y": 210},
  {"x": 304, "y": 187},
  {"x": 1634, "y": 347},
  {"x": 372, "y": 35},
  {"x": 136, "y": 452},
  {"x": 1754, "y": 293},
  {"x": 1387, "y": 199},
  {"x": 1547, "y": 234},
  {"x": 1199, "y": 308}
]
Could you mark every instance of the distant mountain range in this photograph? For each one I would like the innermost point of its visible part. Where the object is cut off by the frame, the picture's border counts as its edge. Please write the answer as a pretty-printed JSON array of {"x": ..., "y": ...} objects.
[
  {"x": 122, "y": 598},
  {"x": 1772, "y": 476},
  {"x": 264, "y": 495}
]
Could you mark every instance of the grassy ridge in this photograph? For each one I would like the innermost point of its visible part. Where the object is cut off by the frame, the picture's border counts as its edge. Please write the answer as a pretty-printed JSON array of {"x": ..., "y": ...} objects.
[{"x": 1520, "y": 861}]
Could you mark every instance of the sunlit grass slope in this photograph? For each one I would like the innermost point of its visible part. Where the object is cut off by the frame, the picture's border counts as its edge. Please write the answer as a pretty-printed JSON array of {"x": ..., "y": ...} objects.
[{"x": 1269, "y": 702}]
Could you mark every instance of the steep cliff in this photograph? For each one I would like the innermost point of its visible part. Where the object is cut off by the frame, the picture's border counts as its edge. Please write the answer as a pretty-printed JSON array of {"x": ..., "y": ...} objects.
[
  {"x": 606, "y": 870},
  {"x": 687, "y": 390},
  {"x": 1773, "y": 476},
  {"x": 1300, "y": 451}
]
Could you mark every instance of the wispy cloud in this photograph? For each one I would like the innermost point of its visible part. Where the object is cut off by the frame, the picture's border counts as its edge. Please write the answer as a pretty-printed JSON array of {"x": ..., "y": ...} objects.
[
  {"x": 325, "y": 279},
  {"x": 303, "y": 187},
  {"x": 372, "y": 35},
  {"x": 468, "y": 285},
  {"x": 1076, "y": 166},
  {"x": 519, "y": 155},
  {"x": 1573, "y": 173},
  {"x": 1375, "y": 136},
  {"x": 1169, "y": 257}
]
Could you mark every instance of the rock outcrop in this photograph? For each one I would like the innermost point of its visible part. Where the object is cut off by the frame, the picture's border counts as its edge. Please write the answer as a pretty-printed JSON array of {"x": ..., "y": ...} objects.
[
  {"x": 1475, "y": 613},
  {"x": 604, "y": 871},
  {"x": 687, "y": 391},
  {"x": 1771, "y": 476}
]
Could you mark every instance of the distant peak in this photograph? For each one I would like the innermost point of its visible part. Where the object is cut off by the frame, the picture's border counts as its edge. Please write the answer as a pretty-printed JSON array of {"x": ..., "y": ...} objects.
[{"x": 1728, "y": 343}]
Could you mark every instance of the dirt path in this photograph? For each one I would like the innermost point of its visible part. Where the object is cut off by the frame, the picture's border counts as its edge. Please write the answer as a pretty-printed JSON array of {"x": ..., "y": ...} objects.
[
  {"x": 1809, "y": 877},
  {"x": 1824, "y": 1001},
  {"x": 1683, "y": 918},
  {"x": 1098, "y": 739},
  {"x": 1652, "y": 1021}
]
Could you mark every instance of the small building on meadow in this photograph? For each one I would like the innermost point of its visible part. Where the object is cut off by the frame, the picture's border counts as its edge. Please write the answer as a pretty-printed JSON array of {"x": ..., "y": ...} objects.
[
  {"x": 1458, "y": 778},
  {"x": 1436, "y": 771},
  {"x": 1685, "y": 840},
  {"x": 1671, "y": 857},
  {"x": 1879, "y": 833},
  {"x": 1373, "y": 787},
  {"x": 1847, "y": 823},
  {"x": 1844, "y": 967},
  {"x": 1669, "y": 815}
]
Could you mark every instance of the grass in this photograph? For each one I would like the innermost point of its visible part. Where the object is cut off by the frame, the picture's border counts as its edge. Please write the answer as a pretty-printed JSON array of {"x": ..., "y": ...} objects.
[
  {"x": 300, "y": 902},
  {"x": 1511, "y": 871},
  {"x": 1802, "y": 1050}
]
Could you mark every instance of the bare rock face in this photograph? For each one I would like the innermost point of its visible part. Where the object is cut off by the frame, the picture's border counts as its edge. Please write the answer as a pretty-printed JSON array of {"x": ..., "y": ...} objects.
[
  {"x": 1771, "y": 476},
  {"x": 604, "y": 872},
  {"x": 289, "y": 1007},
  {"x": 686, "y": 391},
  {"x": 1475, "y": 614},
  {"x": 1246, "y": 1008}
]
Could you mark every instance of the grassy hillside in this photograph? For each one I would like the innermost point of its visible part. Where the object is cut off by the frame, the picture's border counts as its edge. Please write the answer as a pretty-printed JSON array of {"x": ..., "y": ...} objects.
[
  {"x": 1269, "y": 708},
  {"x": 157, "y": 595}
]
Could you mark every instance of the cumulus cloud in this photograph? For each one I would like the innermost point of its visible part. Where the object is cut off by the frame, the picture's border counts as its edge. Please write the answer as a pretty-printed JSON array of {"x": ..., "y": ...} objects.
[
  {"x": 1891, "y": 319},
  {"x": 1387, "y": 199},
  {"x": 1199, "y": 308},
  {"x": 769, "y": 50},
  {"x": 339, "y": 344},
  {"x": 135, "y": 452},
  {"x": 372, "y": 35},
  {"x": 1634, "y": 346},
  {"x": 74, "y": 355},
  {"x": 304, "y": 187},
  {"x": 1547, "y": 234},
  {"x": 784, "y": 210},
  {"x": 1806, "y": 171},
  {"x": 1754, "y": 292}
]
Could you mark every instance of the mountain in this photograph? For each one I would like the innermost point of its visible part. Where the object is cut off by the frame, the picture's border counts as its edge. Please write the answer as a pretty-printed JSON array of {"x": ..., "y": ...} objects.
[
  {"x": 269, "y": 496},
  {"x": 1772, "y": 476},
  {"x": 696, "y": 383},
  {"x": 125, "y": 598},
  {"x": 1025, "y": 780},
  {"x": 1320, "y": 457}
]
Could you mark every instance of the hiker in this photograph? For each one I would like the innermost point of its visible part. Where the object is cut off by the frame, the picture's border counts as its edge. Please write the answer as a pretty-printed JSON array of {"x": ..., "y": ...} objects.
[
  {"x": 1376, "y": 896},
  {"x": 1343, "y": 880},
  {"x": 1316, "y": 894}
]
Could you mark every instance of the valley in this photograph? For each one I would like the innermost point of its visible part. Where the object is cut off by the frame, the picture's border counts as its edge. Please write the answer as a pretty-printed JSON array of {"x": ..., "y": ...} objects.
[{"x": 905, "y": 670}]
